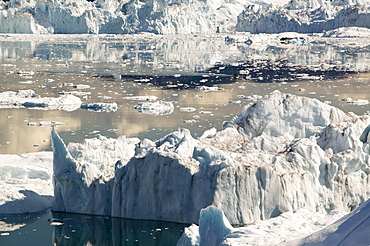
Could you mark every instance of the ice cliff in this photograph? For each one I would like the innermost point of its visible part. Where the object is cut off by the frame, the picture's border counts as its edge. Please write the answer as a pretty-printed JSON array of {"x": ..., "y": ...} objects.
[
  {"x": 305, "y": 16},
  {"x": 280, "y": 154},
  {"x": 108, "y": 16},
  {"x": 180, "y": 16}
]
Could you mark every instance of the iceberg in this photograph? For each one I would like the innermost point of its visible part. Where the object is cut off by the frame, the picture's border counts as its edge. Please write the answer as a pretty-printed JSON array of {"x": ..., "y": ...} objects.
[{"x": 281, "y": 154}]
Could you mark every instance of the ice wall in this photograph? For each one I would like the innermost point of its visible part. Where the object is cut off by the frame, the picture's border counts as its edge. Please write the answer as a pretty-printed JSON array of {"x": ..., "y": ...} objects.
[
  {"x": 305, "y": 16},
  {"x": 282, "y": 153},
  {"x": 108, "y": 16},
  {"x": 180, "y": 16}
]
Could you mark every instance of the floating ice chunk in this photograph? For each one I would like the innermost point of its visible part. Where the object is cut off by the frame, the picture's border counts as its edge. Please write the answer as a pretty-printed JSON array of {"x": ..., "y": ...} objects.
[
  {"x": 188, "y": 109},
  {"x": 155, "y": 108},
  {"x": 358, "y": 102},
  {"x": 45, "y": 123},
  {"x": 25, "y": 73},
  {"x": 81, "y": 86},
  {"x": 75, "y": 93},
  {"x": 101, "y": 107},
  {"x": 29, "y": 99},
  {"x": 26, "y": 82},
  {"x": 208, "y": 88},
  {"x": 142, "y": 98}
]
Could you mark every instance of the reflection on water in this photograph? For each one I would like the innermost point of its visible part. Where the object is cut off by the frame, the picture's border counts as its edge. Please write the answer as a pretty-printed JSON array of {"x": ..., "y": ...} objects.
[
  {"x": 122, "y": 66},
  {"x": 73, "y": 229}
]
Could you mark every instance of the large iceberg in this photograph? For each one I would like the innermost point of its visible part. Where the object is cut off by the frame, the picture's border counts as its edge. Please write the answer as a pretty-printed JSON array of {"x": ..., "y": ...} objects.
[{"x": 280, "y": 154}]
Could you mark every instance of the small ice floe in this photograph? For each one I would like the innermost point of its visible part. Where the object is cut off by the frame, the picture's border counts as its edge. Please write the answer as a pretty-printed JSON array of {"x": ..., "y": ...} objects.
[
  {"x": 56, "y": 222},
  {"x": 190, "y": 121},
  {"x": 80, "y": 86},
  {"x": 25, "y": 73},
  {"x": 29, "y": 99},
  {"x": 101, "y": 107},
  {"x": 358, "y": 102},
  {"x": 75, "y": 93},
  {"x": 45, "y": 123},
  {"x": 208, "y": 88},
  {"x": 155, "y": 108},
  {"x": 142, "y": 98},
  {"x": 252, "y": 97},
  {"x": 188, "y": 109},
  {"x": 28, "y": 82}
]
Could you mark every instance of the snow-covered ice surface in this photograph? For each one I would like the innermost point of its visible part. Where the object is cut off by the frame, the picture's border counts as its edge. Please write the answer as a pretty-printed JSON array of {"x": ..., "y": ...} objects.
[
  {"x": 26, "y": 183},
  {"x": 279, "y": 155},
  {"x": 334, "y": 228}
]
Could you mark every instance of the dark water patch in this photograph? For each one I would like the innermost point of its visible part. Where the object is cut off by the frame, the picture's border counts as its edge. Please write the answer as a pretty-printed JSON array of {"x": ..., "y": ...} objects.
[
  {"x": 75, "y": 229},
  {"x": 177, "y": 81},
  {"x": 266, "y": 70}
]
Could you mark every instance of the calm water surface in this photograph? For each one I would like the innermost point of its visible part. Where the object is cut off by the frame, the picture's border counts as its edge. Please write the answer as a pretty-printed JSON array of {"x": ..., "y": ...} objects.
[{"x": 76, "y": 229}]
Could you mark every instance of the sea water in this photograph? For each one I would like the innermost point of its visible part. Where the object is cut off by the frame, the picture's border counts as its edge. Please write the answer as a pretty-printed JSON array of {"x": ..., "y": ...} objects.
[{"x": 43, "y": 229}]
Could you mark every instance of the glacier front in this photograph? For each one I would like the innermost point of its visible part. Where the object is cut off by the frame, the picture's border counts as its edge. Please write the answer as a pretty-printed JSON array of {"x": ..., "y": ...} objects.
[
  {"x": 280, "y": 154},
  {"x": 180, "y": 16}
]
